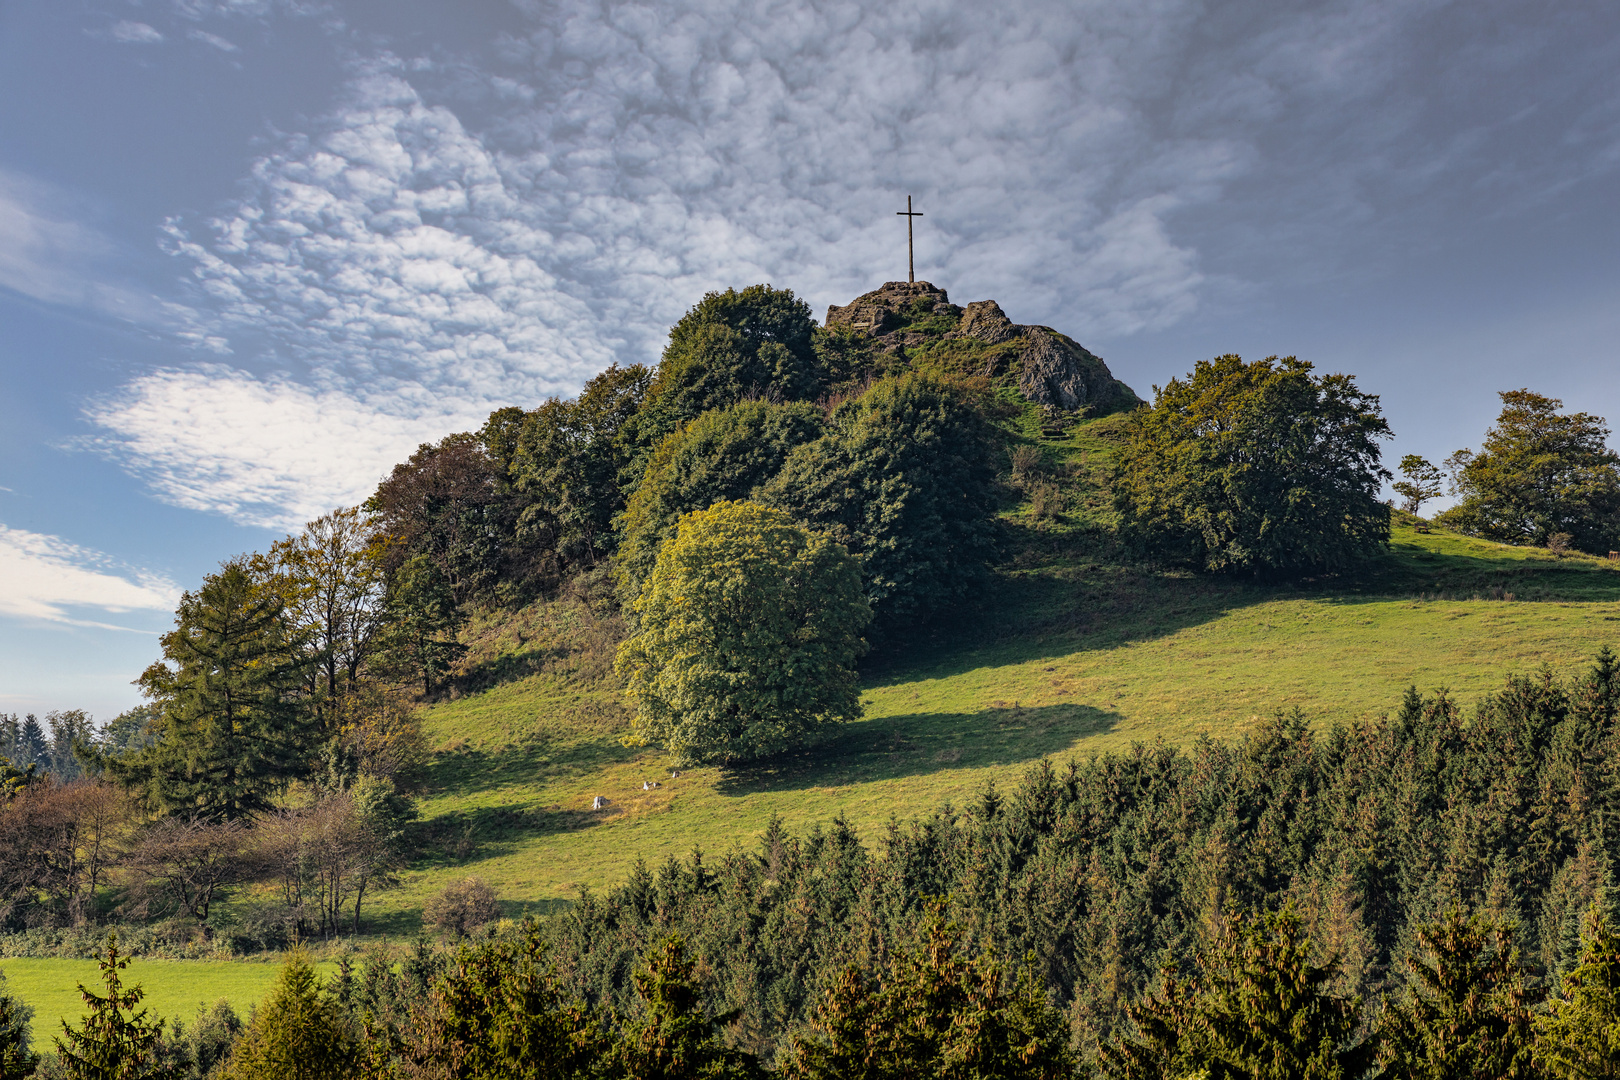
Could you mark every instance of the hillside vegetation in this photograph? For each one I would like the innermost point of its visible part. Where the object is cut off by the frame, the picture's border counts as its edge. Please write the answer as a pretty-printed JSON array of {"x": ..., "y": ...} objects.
[{"x": 1073, "y": 651}]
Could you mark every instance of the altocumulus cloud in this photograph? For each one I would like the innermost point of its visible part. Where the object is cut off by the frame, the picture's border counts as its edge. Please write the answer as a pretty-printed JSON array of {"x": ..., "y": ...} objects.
[
  {"x": 461, "y": 233},
  {"x": 46, "y": 577}
]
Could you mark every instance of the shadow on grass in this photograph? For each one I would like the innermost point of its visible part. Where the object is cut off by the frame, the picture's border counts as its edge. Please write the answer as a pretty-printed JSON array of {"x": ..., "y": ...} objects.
[
  {"x": 919, "y": 744},
  {"x": 1057, "y": 598}
]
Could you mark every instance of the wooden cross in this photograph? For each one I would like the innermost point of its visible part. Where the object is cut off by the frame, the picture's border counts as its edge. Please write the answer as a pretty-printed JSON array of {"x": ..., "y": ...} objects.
[{"x": 911, "y": 250}]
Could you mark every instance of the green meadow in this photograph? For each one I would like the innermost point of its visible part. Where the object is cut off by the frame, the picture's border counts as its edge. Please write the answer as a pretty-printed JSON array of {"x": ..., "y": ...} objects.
[{"x": 174, "y": 988}]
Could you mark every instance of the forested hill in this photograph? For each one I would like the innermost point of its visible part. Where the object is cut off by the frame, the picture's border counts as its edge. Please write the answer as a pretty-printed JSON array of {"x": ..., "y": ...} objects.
[{"x": 918, "y": 616}]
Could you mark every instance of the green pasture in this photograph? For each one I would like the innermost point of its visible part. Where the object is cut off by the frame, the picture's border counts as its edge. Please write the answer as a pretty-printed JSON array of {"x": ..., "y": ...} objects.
[
  {"x": 1077, "y": 654},
  {"x": 174, "y": 988}
]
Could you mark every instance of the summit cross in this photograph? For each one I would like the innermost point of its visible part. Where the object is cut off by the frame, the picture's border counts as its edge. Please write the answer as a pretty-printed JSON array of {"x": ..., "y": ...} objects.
[{"x": 911, "y": 249}]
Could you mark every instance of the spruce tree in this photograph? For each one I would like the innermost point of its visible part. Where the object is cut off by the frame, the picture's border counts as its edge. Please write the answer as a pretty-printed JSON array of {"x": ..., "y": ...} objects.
[
  {"x": 115, "y": 1041},
  {"x": 1580, "y": 1037},
  {"x": 234, "y": 725},
  {"x": 1466, "y": 1015},
  {"x": 677, "y": 1039},
  {"x": 297, "y": 1034}
]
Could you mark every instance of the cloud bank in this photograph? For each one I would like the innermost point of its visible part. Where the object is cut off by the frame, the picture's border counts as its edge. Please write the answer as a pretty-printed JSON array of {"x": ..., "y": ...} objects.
[{"x": 46, "y": 577}]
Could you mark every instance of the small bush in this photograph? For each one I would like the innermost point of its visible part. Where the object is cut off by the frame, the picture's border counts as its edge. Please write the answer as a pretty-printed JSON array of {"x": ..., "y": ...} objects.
[
  {"x": 462, "y": 907},
  {"x": 1027, "y": 462},
  {"x": 1045, "y": 502}
]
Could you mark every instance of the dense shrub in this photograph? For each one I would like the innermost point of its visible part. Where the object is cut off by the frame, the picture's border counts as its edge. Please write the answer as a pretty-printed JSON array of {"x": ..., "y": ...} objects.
[
  {"x": 461, "y": 907},
  {"x": 905, "y": 479}
]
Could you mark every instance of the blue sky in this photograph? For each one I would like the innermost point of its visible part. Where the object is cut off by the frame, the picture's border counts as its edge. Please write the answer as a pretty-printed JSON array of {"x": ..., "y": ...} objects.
[{"x": 253, "y": 251}]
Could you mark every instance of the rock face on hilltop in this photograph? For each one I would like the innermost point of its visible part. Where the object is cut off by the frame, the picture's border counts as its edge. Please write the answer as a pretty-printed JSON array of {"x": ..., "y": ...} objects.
[{"x": 916, "y": 321}]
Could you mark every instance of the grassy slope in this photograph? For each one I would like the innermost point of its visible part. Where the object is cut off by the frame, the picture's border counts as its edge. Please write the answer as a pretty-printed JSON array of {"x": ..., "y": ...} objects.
[{"x": 1078, "y": 654}]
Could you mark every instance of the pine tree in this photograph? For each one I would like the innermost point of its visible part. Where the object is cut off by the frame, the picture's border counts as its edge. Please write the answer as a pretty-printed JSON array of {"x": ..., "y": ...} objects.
[
  {"x": 115, "y": 1042},
  {"x": 1466, "y": 1015},
  {"x": 234, "y": 726},
  {"x": 498, "y": 1012},
  {"x": 678, "y": 1038},
  {"x": 936, "y": 1013},
  {"x": 1271, "y": 1014}
]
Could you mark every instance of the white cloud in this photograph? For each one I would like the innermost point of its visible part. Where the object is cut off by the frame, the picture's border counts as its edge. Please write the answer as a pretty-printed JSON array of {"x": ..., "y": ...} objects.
[
  {"x": 222, "y": 44},
  {"x": 47, "y": 577},
  {"x": 133, "y": 33},
  {"x": 265, "y": 452}
]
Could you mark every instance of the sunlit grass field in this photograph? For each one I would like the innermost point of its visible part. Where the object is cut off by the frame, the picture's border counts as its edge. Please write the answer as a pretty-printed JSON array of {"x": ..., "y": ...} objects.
[{"x": 173, "y": 988}]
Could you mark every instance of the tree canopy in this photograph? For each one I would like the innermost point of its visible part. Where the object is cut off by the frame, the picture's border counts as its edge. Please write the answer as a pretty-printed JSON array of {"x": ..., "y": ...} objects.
[
  {"x": 754, "y": 343},
  {"x": 749, "y": 629},
  {"x": 1539, "y": 473},
  {"x": 905, "y": 479},
  {"x": 723, "y": 454},
  {"x": 1260, "y": 467}
]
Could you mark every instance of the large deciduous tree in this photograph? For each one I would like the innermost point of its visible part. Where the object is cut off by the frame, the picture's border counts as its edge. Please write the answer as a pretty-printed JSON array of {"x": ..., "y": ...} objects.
[
  {"x": 330, "y": 578},
  {"x": 733, "y": 345},
  {"x": 234, "y": 725},
  {"x": 723, "y": 454},
  {"x": 565, "y": 471},
  {"x": 749, "y": 629},
  {"x": 443, "y": 505},
  {"x": 1255, "y": 467},
  {"x": 1539, "y": 473},
  {"x": 904, "y": 478}
]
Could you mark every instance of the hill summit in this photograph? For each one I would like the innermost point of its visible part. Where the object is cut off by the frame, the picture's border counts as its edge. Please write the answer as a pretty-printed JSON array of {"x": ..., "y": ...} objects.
[{"x": 917, "y": 321}]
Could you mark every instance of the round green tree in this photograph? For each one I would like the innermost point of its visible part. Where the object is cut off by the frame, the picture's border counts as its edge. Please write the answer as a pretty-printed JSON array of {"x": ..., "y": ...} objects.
[
  {"x": 750, "y": 627},
  {"x": 1539, "y": 473},
  {"x": 1261, "y": 467}
]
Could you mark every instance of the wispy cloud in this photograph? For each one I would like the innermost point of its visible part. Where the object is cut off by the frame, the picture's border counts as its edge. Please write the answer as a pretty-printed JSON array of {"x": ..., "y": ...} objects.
[
  {"x": 47, "y": 253},
  {"x": 222, "y": 44},
  {"x": 126, "y": 32},
  {"x": 49, "y": 579}
]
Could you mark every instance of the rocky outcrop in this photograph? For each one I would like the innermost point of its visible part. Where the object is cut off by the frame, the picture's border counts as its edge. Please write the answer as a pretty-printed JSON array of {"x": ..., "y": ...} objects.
[
  {"x": 983, "y": 320},
  {"x": 880, "y": 311},
  {"x": 1051, "y": 370}
]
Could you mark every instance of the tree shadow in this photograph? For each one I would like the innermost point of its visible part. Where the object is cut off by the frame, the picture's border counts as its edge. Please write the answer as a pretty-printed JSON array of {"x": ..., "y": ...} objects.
[{"x": 919, "y": 744}]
